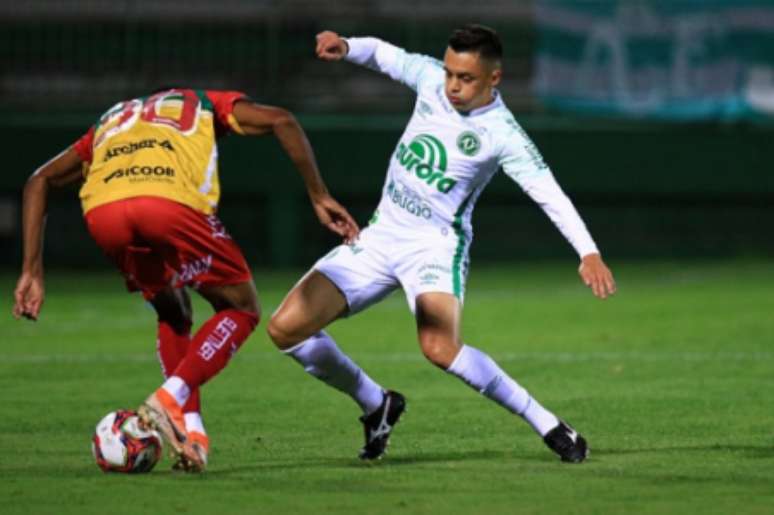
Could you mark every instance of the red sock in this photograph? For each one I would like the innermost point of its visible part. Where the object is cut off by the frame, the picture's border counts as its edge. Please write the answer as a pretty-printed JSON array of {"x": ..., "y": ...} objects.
[
  {"x": 213, "y": 345},
  {"x": 172, "y": 347}
]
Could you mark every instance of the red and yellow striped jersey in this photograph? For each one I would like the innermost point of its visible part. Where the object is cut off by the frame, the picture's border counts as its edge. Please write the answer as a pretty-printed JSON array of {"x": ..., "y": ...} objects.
[{"x": 163, "y": 145}]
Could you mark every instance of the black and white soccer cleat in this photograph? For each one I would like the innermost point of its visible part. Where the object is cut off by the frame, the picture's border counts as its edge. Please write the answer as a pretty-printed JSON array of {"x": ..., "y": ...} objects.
[
  {"x": 379, "y": 424},
  {"x": 567, "y": 443}
]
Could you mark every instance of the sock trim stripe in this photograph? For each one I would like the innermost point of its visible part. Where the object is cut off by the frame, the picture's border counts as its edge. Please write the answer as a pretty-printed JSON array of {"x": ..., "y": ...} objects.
[{"x": 457, "y": 359}]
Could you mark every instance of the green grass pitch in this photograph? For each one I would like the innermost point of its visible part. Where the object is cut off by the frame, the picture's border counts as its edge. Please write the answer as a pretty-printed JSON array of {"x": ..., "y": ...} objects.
[{"x": 672, "y": 382}]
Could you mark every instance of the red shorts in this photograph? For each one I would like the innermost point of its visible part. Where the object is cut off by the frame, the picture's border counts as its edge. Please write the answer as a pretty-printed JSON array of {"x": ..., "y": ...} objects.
[{"x": 159, "y": 243}]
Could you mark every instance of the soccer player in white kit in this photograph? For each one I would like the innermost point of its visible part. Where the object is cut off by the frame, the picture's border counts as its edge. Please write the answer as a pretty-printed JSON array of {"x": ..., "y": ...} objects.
[{"x": 460, "y": 134}]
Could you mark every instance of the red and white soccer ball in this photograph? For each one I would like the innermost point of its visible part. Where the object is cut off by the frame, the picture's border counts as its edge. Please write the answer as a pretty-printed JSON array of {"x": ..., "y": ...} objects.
[{"x": 121, "y": 445}]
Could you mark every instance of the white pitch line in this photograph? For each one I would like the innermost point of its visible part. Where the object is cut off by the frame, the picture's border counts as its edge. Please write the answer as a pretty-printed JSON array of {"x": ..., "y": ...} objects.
[{"x": 400, "y": 357}]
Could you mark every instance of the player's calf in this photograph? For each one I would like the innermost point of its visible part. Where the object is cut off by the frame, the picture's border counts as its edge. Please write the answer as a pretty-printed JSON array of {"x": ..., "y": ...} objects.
[{"x": 214, "y": 344}]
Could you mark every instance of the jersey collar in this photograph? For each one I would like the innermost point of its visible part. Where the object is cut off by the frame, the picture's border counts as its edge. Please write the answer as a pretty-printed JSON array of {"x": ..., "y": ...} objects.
[{"x": 496, "y": 103}]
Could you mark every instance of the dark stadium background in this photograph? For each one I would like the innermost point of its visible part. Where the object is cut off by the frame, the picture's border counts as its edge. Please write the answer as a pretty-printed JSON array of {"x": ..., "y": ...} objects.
[{"x": 647, "y": 188}]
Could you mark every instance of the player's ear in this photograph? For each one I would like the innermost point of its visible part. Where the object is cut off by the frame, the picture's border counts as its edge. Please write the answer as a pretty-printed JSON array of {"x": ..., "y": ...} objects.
[{"x": 497, "y": 74}]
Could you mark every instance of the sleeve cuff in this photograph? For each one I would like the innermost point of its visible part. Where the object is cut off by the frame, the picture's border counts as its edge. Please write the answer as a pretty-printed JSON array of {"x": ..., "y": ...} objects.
[
  {"x": 360, "y": 49},
  {"x": 587, "y": 249}
]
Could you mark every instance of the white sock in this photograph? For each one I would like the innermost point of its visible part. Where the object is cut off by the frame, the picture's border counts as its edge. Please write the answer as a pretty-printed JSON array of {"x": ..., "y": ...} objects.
[
  {"x": 321, "y": 357},
  {"x": 194, "y": 422},
  {"x": 177, "y": 388},
  {"x": 481, "y": 372}
]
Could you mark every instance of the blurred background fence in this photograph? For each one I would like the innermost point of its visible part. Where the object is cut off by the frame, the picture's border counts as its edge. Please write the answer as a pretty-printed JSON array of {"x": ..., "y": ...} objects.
[{"x": 654, "y": 114}]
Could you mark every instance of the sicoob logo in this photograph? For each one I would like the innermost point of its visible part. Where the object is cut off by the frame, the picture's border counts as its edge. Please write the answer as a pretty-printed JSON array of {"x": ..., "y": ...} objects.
[{"x": 139, "y": 171}]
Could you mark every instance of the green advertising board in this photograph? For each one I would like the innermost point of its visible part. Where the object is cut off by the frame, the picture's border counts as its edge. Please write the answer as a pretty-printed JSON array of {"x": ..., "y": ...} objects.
[{"x": 666, "y": 59}]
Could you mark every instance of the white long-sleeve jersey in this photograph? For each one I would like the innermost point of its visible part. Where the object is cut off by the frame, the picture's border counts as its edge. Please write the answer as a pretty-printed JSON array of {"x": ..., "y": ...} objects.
[{"x": 445, "y": 158}]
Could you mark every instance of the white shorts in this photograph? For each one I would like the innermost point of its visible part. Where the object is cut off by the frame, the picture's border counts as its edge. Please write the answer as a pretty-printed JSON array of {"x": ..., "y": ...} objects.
[{"x": 384, "y": 259}]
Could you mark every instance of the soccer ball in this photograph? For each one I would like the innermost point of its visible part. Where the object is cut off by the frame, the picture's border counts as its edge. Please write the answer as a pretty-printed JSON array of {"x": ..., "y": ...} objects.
[{"x": 120, "y": 444}]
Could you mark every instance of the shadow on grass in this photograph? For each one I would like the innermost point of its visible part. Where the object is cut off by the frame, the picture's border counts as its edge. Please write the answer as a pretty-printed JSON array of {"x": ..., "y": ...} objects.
[
  {"x": 351, "y": 463},
  {"x": 751, "y": 451},
  {"x": 457, "y": 457},
  {"x": 418, "y": 460},
  {"x": 354, "y": 463}
]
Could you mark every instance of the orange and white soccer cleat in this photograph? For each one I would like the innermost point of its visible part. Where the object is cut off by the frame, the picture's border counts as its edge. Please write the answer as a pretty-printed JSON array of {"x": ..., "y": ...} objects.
[
  {"x": 200, "y": 442},
  {"x": 161, "y": 412},
  {"x": 197, "y": 444}
]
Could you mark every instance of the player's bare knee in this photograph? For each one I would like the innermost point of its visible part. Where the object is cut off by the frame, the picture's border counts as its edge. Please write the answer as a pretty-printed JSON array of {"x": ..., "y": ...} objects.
[
  {"x": 179, "y": 325},
  {"x": 246, "y": 299},
  {"x": 246, "y": 304},
  {"x": 438, "y": 349},
  {"x": 179, "y": 320},
  {"x": 275, "y": 332},
  {"x": 281, "y": 333},
  {"x": 241, "y": 297},
  {"x": 173, "y": 307},
  {"x": 250, "y": 305}
]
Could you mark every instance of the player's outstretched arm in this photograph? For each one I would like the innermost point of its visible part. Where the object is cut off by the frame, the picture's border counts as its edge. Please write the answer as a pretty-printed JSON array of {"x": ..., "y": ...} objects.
[
  {"x": 381, "y": 56},
  {"x": 546, "y": 192},
  {"x": 597, "y": 276},
  {"x": 522, "y": 162},
  {"x": 256, "y": 120},
  {"x": 29, "y": 293}
]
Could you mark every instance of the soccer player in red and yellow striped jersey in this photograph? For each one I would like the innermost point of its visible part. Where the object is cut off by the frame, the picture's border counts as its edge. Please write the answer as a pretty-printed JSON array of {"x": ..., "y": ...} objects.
[{"x": 149, "y": 191}]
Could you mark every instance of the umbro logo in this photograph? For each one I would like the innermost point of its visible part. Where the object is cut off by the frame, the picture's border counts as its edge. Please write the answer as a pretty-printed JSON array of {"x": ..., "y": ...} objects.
[{"x": 384, "y": 428}]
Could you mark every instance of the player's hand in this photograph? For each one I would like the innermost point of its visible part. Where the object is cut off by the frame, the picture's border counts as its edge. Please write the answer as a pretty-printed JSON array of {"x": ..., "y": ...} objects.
[
  {"x": 330, "y": 46},
  {"x": 28, "y": 296},
  {"x": 333, "y": 216},
  {"x": 597, "y": 276}
]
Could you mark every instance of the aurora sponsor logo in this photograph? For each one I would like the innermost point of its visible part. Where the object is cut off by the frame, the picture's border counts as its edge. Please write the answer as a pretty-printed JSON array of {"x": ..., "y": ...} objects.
[
  {"x": 407, "y": 199},
  {"x": 425, "y": 157},
  {"x": 140, "y": 172},
  {"x": 134, "y": 146}
]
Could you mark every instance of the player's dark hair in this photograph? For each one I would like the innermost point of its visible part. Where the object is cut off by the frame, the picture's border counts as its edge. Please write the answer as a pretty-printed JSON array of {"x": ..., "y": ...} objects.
[{"x": 477, "y": 38}]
